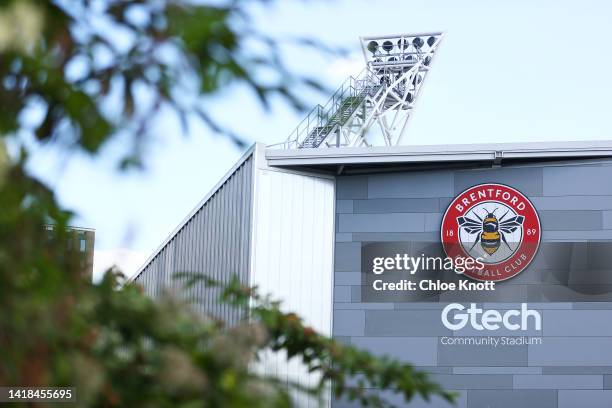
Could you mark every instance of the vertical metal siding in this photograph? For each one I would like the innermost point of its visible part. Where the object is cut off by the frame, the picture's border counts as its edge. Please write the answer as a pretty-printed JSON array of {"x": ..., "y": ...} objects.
[
  {"x": 214, "y": 241},
  {"x": 293, "y": 258}
]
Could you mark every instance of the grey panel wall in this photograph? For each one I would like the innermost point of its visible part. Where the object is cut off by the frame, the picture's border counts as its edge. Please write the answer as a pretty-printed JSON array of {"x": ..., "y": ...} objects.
[
  {"x": 214, "y": 241},
  {"x": 573, "y": 366}
]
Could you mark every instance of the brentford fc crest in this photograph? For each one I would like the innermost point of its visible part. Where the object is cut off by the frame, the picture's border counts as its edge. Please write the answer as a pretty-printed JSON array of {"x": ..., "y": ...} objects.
[{"x": 495, "y": 223}]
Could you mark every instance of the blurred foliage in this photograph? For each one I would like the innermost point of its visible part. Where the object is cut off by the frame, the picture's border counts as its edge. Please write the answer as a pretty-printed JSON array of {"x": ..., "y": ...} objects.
[
  {"x": 91, "y": 68},
  {"x": 80, "y": 63}
]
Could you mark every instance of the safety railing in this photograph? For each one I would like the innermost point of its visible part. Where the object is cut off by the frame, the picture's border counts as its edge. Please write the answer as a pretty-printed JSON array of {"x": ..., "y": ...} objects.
[{"x": 318, "y": 123}]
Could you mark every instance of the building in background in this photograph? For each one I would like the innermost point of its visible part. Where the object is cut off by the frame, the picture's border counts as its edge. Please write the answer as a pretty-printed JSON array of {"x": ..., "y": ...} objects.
[
  {"x": 302, "y": 219},
  {"x": 81, "y": 243}
]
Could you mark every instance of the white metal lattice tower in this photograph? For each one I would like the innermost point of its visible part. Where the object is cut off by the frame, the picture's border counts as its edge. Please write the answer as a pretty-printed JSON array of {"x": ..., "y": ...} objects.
[{"x": 373, "y": 108}]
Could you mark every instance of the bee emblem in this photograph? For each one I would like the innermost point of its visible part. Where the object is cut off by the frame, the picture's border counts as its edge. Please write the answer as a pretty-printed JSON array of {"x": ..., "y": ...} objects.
[{"x": 490, "y": 229}]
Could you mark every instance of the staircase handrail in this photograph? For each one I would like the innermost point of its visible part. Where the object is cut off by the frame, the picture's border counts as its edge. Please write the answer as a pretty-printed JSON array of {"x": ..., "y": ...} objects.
[{"x": 320, "y": 115}]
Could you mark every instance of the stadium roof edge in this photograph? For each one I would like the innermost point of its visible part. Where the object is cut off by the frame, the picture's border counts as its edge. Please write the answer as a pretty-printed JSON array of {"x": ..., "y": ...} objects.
[{"x": 428, "y": 154}]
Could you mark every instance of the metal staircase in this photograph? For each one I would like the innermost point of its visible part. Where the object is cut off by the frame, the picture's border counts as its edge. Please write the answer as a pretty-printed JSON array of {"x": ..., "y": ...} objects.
[
  {"x": 338, "y": 117},
  {"x": 325, "y": 120}
]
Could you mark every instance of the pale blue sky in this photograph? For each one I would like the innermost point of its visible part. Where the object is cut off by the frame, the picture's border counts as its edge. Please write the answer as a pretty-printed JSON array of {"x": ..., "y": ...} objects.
[{"x": 508, "y": 71}]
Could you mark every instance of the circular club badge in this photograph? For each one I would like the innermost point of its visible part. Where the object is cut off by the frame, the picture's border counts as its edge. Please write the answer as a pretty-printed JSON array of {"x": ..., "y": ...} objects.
[{"x": 496, "y": 224}]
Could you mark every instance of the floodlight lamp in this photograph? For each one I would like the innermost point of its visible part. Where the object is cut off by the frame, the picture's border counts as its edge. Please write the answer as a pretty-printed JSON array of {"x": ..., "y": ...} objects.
[
  {"x": 418, "y": 42},
  {"x": 373, "y": 47},
  {"x": 387, "y": 46},
  {"x": 402, "y": 44},
  {"x": 431, "y": 41}
]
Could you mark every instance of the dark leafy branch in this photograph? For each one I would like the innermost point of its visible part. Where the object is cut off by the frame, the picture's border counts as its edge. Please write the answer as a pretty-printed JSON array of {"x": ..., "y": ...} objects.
[
  {"x": 351, "y": 373},
  {"x": 171, "y": 54}
]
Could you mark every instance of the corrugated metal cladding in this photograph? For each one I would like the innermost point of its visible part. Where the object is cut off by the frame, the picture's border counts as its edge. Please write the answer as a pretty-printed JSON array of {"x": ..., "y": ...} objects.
[
  {"x": 293, "y": 259},
  {"x": 214, "y": 240},
  {"x": 286, "y": 250}
]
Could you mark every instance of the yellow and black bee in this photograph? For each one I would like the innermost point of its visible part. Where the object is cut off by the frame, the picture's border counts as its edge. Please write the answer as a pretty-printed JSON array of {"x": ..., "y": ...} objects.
[{"x": 490, "y": 229}]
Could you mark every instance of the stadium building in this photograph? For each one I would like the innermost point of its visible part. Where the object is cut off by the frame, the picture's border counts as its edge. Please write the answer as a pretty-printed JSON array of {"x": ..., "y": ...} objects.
[{"x": 342, "y": 209}]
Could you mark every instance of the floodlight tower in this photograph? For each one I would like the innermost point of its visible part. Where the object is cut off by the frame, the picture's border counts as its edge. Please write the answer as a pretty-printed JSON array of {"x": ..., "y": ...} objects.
[
  {"x": 400, "y": 63},
  {"x": 383, "y": 94}
]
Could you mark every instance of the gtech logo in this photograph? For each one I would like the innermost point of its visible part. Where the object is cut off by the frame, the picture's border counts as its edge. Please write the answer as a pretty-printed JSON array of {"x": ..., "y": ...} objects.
[{"x": 495, "y": 223}]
